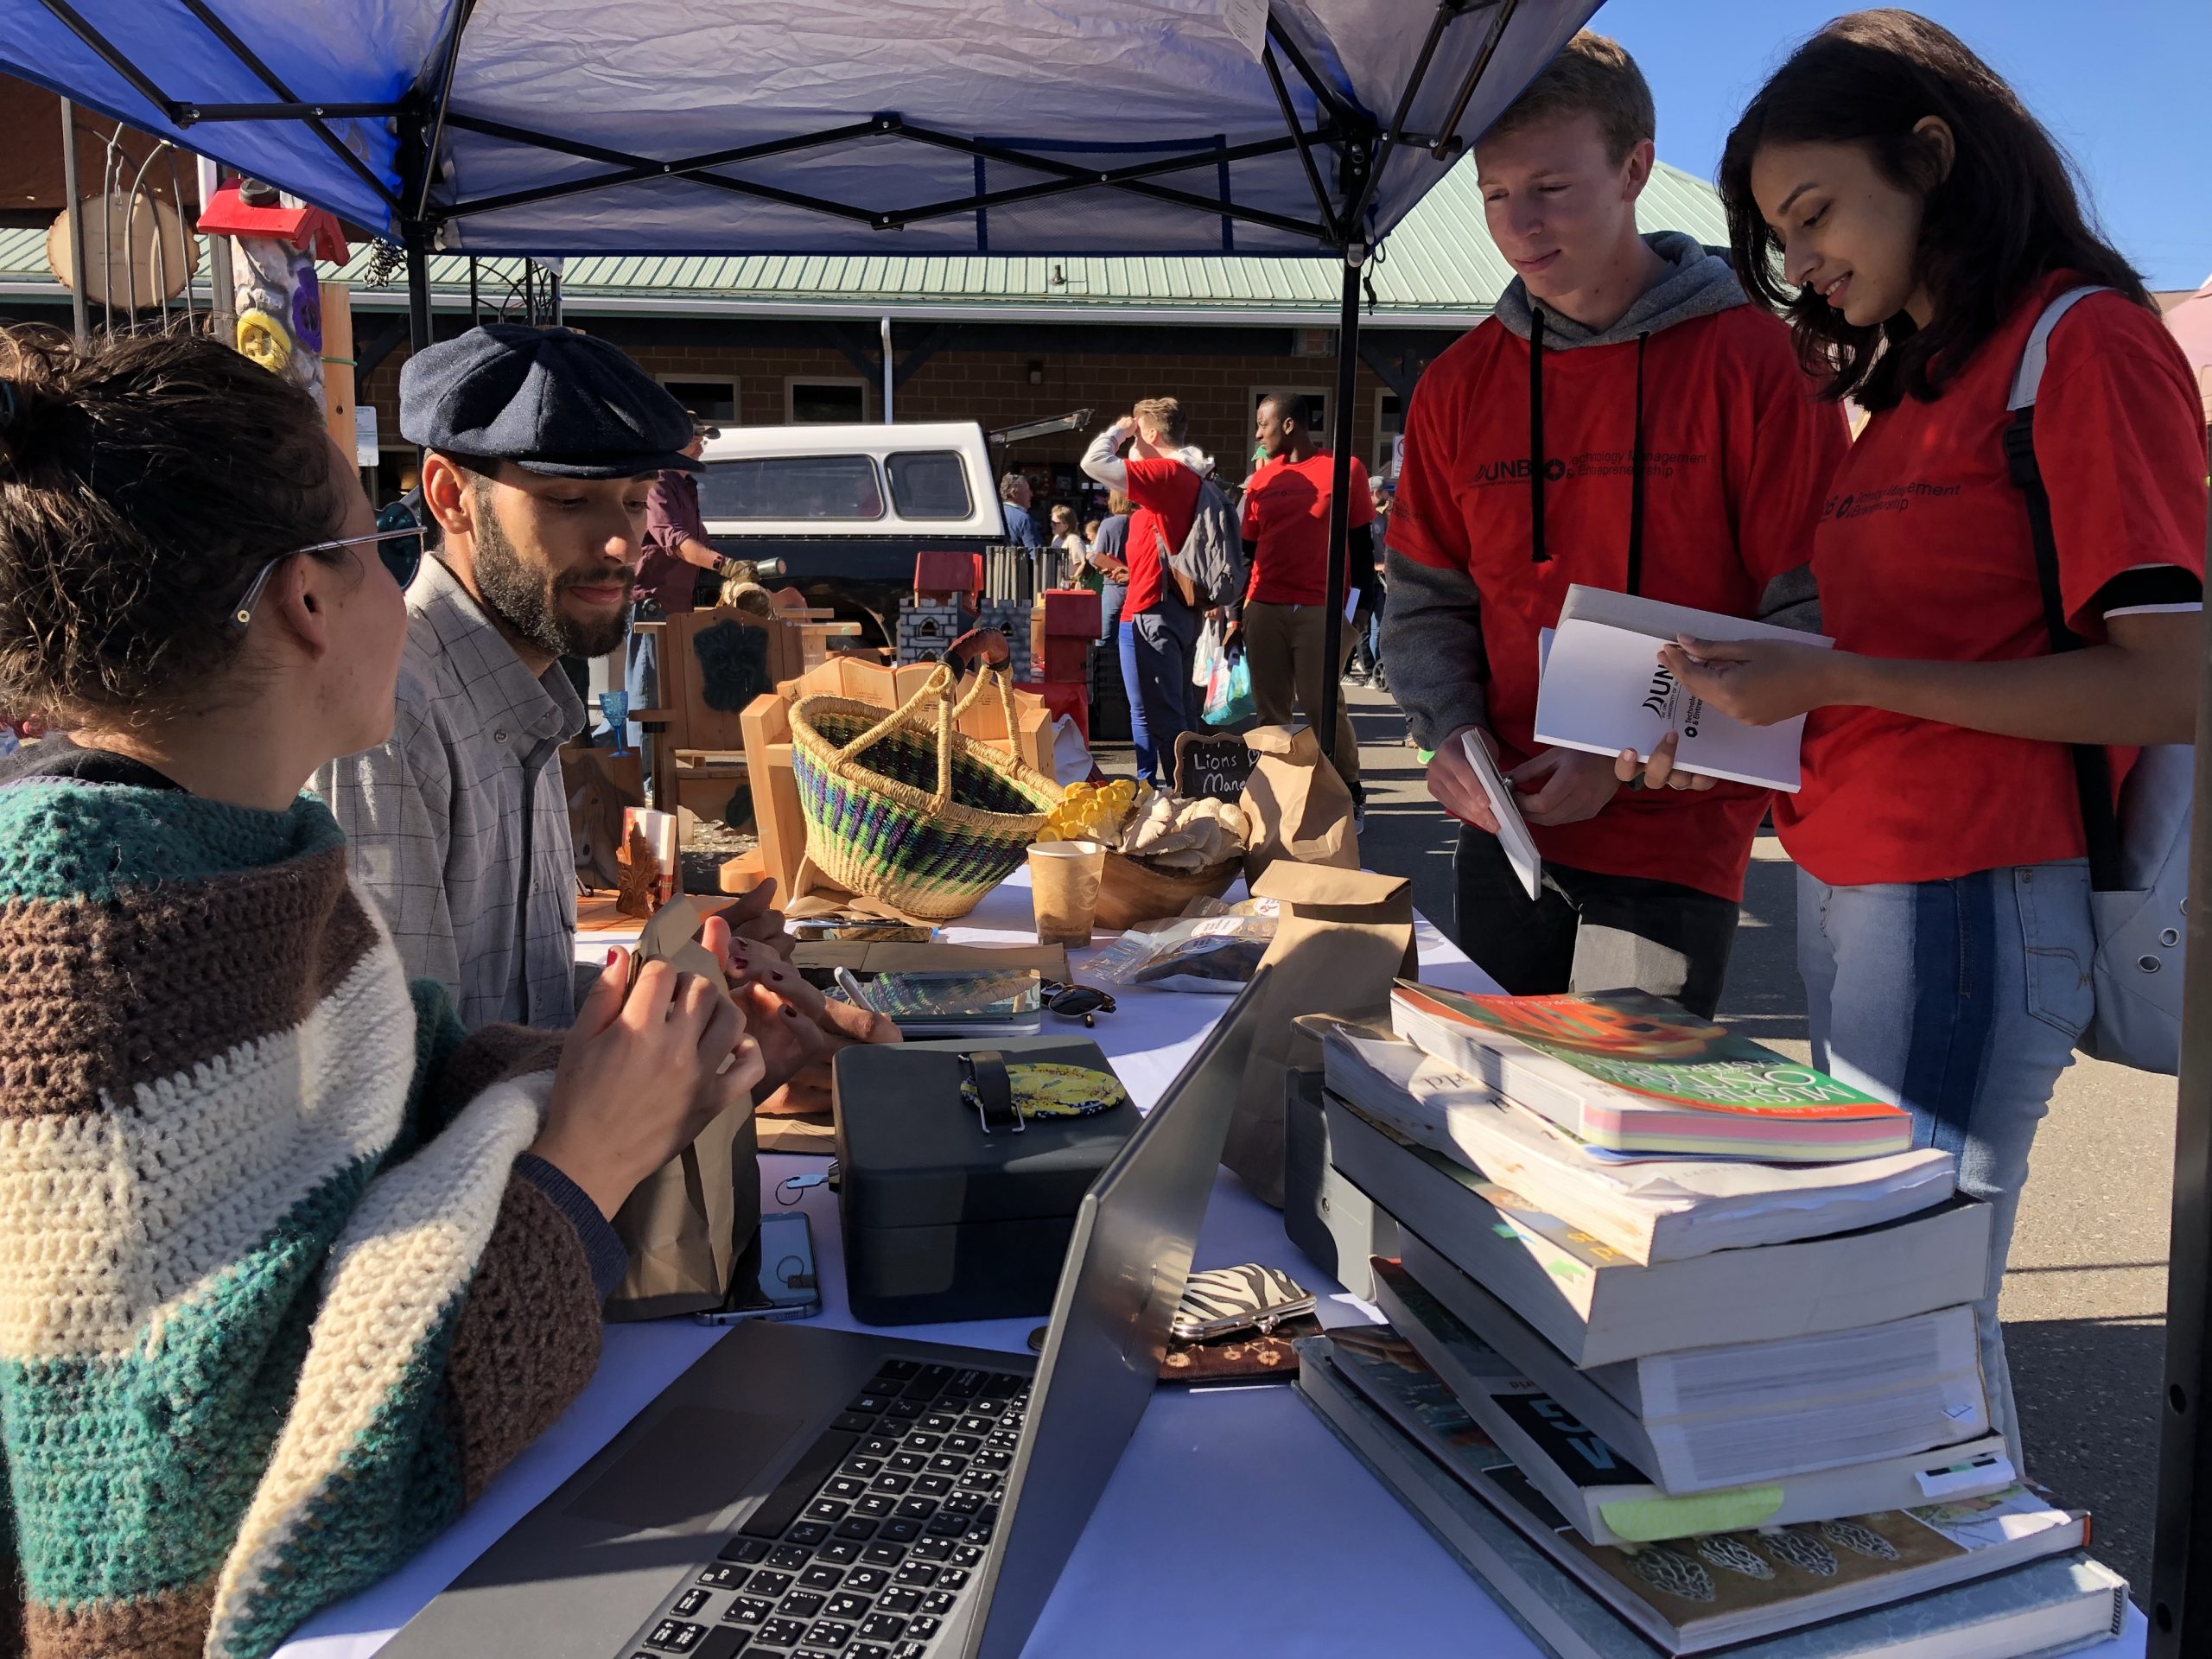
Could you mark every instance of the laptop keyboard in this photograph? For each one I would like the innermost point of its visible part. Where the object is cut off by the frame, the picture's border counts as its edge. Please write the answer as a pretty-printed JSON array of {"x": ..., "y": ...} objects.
[{"x": 871, "y": 1540}]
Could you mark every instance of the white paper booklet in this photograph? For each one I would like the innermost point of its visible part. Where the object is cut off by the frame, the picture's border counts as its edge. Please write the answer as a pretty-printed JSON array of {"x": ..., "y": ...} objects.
[
  {"x": 1604, "y": 690},
  {"x": 1512, "y": 830}
]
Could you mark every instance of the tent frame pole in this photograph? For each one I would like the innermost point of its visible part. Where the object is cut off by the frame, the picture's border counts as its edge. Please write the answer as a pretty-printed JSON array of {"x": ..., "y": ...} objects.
[
  {"x": 2181, "y": 1559},
  {"x": 78, "y": 319},
  {"x": 1340, "y": 420}
]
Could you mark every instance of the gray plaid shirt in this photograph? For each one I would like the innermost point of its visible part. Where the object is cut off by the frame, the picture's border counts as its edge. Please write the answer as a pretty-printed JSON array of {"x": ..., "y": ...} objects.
[{"x": 460, "y": 825}]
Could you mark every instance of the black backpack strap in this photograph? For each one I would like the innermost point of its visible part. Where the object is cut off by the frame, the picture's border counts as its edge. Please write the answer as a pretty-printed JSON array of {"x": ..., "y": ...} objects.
[{"x": 2092, "y": 765}]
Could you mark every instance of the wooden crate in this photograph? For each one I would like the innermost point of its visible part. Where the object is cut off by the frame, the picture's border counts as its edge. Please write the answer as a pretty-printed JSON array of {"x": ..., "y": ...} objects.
[{"x": 767, "y": 725}]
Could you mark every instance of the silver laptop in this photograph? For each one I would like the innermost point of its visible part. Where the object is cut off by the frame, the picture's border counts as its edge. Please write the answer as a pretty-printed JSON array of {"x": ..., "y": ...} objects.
[{"x": 812, "y": 1494}]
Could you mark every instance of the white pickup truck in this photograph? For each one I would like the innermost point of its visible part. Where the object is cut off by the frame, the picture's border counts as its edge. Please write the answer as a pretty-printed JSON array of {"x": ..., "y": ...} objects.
[{"x": 847, "y": 508}]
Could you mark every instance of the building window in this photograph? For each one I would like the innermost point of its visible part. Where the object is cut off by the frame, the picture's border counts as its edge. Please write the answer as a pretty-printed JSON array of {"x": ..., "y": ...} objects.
[
  {"x": 825, "y": 403},
  {"x": 1317, "y": 411},
  {"x": 706, "y": 399},
  {"x": 1389, "y": 426}
]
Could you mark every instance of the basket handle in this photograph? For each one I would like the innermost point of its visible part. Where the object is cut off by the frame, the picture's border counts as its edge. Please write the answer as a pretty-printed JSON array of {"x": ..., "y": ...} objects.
[
  {"x": 994, "y": 677},
  {"x": 938, "y": 686}
]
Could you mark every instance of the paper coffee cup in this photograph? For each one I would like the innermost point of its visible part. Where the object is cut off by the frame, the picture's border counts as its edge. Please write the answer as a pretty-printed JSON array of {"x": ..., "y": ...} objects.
[{"x": 1063, "y": 877}]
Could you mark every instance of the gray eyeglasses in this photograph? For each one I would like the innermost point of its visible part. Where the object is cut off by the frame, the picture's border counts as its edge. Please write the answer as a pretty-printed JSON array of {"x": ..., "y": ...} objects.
[{"x": 402, "y": 562}]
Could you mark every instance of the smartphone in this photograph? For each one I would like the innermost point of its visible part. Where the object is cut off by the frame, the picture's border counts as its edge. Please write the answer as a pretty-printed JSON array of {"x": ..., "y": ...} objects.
[{"x": 775, "y": 1280}]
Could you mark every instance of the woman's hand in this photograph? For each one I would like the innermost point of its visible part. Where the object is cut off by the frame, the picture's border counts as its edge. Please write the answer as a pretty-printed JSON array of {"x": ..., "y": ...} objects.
[
  {"x": 1758, "y": 681},
  {"x": 641, "y": 1075},
  {"x": 754, "y": 919},
  {"x": 799, "y": 1028}
]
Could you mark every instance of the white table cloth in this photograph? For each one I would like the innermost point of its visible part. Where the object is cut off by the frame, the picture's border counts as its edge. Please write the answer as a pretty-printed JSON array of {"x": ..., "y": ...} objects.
[{"x": 1236, "y": 1521}]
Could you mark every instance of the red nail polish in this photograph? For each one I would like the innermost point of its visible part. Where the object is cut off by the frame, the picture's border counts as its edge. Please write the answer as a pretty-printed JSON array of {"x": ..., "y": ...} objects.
[{"x": 613, "y": 952}]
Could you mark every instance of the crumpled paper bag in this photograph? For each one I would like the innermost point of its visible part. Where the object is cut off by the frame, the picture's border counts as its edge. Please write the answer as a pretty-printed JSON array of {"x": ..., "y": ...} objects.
[
  {"x": 1295, "y": 806},
  {"x": 688, "y": 1224},
  {"x": 1344, "y": 938}
]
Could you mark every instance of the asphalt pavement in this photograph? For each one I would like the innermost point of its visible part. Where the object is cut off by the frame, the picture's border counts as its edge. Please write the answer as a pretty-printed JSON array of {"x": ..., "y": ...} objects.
[{"x": 2085, "y": 1292}]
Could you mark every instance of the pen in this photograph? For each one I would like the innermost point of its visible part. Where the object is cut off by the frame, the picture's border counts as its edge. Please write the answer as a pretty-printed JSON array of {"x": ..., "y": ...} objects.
[{"x": 851, "y": 987}]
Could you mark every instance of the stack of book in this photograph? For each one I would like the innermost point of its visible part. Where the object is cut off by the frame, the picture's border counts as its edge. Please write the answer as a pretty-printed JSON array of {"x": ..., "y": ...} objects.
[{"x": 1683, "y": 1342}]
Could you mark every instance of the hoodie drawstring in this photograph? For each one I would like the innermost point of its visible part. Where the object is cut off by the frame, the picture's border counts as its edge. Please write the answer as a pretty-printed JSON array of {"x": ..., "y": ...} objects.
[
  {"x": 1537, "y": 554},
  {"x": 1636, "y": 478}
]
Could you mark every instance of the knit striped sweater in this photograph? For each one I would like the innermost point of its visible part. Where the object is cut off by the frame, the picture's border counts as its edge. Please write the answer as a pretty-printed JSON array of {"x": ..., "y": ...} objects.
[{"x": 275, "y": 1301}]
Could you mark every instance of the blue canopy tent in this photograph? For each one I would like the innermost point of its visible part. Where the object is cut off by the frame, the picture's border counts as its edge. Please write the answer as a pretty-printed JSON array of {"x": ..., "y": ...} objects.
[{"x": 1291, "y": 128}]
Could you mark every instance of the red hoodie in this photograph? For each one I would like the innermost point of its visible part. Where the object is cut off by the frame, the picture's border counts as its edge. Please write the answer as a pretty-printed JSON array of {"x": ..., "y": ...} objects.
[{"x": 1735, "y": 452}]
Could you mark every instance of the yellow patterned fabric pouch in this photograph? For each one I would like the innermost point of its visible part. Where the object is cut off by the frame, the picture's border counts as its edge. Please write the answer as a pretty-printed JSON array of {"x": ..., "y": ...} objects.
[{"x": 1044, "y": 1090}]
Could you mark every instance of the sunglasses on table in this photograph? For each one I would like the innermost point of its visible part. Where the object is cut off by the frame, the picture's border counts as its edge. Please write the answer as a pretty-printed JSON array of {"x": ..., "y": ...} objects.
[
  {"x": 399, "y": 549},
  {"x": 1073, "y": 1002}
]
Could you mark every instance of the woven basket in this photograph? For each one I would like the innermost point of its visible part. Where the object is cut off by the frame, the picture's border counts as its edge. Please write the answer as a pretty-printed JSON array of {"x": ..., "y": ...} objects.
[{"x": 934, "y": 819}]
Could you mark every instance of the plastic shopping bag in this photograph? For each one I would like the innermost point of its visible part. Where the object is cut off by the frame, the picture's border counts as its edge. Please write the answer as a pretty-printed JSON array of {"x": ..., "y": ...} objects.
[
  {"x": 1229, "y": 690},
  {"x": 1207, "y": 652}
]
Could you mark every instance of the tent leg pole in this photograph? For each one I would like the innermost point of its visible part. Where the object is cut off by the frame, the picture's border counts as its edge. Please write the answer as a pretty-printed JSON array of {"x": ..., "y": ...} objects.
[
  {"x": 1332, "y": 625},
  {"x": 2180, "y": 1561},
  {"x": 78, "y": 319},
  {"x": 887, "y": 384},
  {"x": 418, "y": 291}
]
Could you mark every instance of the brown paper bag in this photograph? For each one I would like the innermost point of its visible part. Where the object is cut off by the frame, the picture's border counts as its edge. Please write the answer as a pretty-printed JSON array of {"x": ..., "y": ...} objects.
[
  {"x": 689, "y": 1223},
  {"x": 1298, "y": 807},
  {"x": 1344, "y": 938}
]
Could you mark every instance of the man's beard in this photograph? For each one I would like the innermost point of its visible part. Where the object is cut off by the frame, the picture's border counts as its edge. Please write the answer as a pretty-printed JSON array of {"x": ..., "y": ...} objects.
[{"x": 527, "y": 597}]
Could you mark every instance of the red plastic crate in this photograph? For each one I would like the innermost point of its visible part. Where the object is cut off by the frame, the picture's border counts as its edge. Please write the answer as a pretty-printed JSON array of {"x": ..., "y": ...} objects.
[
  {"x": 1066, "y": 658},
  {"x": 942, "y": 570},
  {"x": 1073, "y": 611}
]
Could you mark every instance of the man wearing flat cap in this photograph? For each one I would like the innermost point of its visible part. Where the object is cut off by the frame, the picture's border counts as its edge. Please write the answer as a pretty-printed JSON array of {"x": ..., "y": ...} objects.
[{"x": 542, "y": 446}]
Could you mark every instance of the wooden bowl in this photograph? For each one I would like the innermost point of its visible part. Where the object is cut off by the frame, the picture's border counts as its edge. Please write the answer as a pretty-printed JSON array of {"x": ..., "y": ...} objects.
[{"x": 1133, "y": 890}]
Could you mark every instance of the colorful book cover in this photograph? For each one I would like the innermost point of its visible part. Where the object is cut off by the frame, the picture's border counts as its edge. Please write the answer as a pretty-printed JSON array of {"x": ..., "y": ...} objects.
[{"x": 1647, "y": 1056}]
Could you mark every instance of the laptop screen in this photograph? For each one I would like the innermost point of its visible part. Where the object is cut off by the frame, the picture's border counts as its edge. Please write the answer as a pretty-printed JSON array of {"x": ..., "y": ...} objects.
[{"x": 1124, "y": 1275}]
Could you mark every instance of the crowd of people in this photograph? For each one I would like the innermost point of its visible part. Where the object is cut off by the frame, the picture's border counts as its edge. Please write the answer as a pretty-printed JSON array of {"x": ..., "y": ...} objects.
[{"x": 314, "y": 1142}]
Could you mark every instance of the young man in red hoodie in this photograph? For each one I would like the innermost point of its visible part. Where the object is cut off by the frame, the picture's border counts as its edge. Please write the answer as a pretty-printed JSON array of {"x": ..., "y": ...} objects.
[{"x": 1626, "y": 420}]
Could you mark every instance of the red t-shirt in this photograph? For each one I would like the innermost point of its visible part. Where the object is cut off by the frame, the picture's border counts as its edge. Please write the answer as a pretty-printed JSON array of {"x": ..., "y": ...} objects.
[
  {"x": 1924, "y": 552},
  {"x": 1737, "y": 455},
  {"x": 1286, "y": 515},
  {"x": 1164, "y": 493}
]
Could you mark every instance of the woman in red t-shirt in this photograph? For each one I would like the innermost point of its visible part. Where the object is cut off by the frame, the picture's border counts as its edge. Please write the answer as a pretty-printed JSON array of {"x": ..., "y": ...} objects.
[{"x": 1891, "y": 196}]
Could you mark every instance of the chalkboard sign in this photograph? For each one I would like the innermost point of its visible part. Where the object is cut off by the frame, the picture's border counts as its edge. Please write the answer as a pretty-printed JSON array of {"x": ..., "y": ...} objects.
[{"x": 1217, "y": 766}]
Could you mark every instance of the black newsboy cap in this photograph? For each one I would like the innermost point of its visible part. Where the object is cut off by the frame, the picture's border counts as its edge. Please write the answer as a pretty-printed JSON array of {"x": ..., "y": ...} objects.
[{"x": 550, "y": 400}]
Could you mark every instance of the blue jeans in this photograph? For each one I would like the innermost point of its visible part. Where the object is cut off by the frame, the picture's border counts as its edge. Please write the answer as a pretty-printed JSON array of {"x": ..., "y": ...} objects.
[
  {"x": 1110, "y": 612},
  {"x": 1156, "y": 669},
  {"x": 1139, "y": 732},
  {"x": 1961, "y": 1000}
]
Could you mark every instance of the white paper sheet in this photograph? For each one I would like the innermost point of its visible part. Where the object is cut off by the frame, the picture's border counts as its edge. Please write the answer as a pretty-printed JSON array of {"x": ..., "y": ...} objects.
[{"x": 1512, "y": 829}]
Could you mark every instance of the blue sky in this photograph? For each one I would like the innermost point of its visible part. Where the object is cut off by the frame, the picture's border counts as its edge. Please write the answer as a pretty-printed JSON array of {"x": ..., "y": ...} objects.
[{"x": 2125, "y": 86}]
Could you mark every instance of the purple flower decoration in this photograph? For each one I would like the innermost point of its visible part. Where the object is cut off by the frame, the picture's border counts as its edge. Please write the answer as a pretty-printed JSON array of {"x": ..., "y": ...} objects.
[{"x": 307, "y": 308}]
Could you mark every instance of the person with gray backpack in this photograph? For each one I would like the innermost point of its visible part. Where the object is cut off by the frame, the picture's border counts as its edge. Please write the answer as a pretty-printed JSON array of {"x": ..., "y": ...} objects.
[
  {"x": 2011, "y": 561},
  {"x": 1185, "y": 562}
]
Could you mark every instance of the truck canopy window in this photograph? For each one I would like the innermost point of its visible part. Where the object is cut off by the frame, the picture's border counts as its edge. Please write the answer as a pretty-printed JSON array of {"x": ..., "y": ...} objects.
[
  {"x": 791, "y": 486},
  {"x": 930, "y": 484}
]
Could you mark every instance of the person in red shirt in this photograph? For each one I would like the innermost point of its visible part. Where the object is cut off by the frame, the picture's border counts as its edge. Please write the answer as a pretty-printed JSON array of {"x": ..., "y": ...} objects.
[
  {"x": 1626, "y": 420},
  {"x": 1915, "y": 220},
  {"x": 1161, "y": 476},
  {"x": 1286, "y": 525}
]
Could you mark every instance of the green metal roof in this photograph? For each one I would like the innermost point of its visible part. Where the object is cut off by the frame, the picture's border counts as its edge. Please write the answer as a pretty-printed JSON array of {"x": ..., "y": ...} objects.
[{"x": 1438, "y": 267}]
